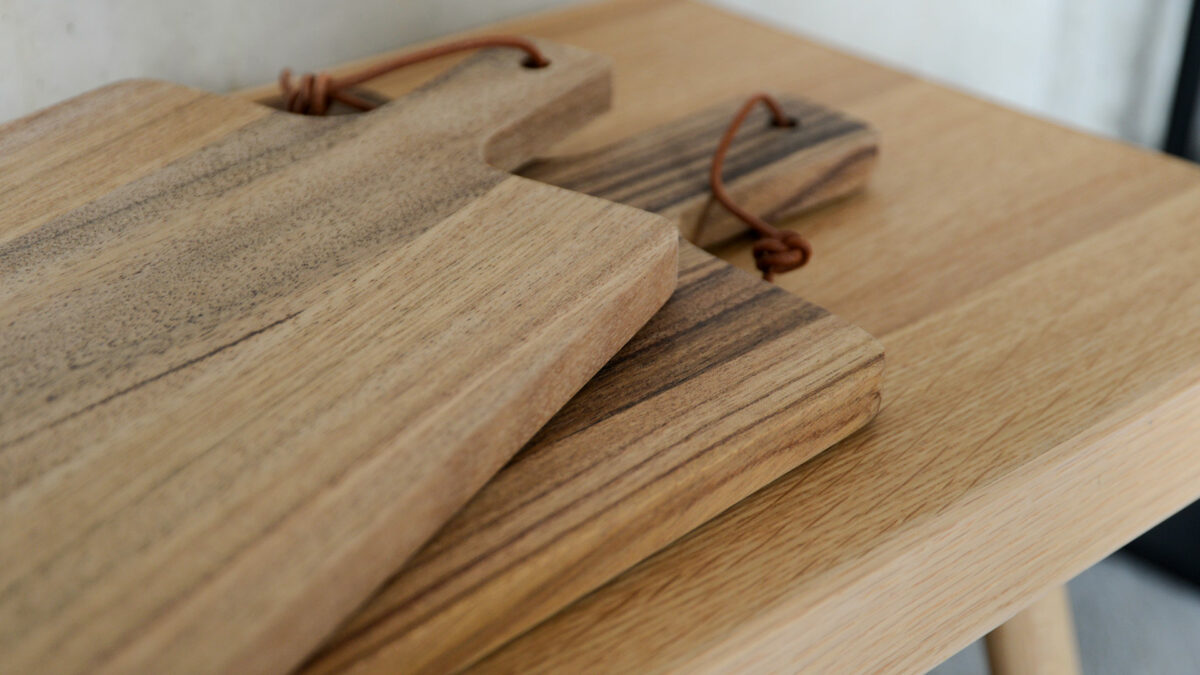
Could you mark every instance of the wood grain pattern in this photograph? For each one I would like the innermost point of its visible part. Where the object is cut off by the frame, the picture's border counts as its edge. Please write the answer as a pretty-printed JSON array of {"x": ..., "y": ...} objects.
[
  {"x": 1036, "y": 291},
  {"x": 239, "y": 389},
  {"x": 732, "y": 383},
  {"x": 777, "y": 172}
]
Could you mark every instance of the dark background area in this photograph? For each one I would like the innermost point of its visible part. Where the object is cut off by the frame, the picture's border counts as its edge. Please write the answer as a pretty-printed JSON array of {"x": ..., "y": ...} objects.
[{"x": 1174, "y": 546}]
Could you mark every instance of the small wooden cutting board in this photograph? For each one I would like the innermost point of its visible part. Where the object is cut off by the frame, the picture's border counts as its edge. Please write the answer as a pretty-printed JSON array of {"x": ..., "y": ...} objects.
[
  {"x": 250, "y": 361},
  {"x": 731, "y": 384}
]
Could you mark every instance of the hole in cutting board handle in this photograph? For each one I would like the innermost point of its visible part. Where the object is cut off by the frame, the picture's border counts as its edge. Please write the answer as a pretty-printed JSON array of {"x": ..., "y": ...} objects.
[{"x": 316, "y": 93}]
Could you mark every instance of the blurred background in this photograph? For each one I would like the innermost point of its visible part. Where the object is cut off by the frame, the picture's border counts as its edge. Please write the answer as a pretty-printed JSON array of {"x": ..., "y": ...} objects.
[
  {"x": 1107, "y": 66},
  {"x": 1124, "y": 69}
]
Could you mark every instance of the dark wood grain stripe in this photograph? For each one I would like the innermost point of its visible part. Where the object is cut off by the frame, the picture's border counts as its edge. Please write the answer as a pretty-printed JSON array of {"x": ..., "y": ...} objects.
[
  {"x": 674, "y": 167},
  {"x": 687, "y": 175},
  {"x": 53, "y": 366},
  {"x": 410, "y": 621},
  {"x": 718, "y": 315}
]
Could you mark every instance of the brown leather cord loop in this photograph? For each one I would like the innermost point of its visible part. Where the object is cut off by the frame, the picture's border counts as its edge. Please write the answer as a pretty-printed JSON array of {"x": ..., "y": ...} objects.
[
  {"x": 311, "y": 93},
  {"x": 777, "y": 250}
]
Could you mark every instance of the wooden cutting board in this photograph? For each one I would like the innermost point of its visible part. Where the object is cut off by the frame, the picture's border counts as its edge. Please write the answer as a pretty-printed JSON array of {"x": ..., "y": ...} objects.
[
  {"x": 732, "y": 384},
  {"x": 775, "y": 172},
  {"x": 249, "y": 361}
]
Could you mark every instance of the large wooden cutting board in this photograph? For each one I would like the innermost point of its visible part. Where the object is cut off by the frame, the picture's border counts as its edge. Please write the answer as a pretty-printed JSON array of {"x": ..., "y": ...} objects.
[
  {"x": 249, "y": 361},
  {"x": 733, "y": 383}
]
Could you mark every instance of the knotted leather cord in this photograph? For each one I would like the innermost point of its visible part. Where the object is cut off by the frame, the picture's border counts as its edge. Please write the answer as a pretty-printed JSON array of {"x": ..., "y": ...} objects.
[
  {"x": 776, "y": 250},
  {"x": 312, "y": 93}
]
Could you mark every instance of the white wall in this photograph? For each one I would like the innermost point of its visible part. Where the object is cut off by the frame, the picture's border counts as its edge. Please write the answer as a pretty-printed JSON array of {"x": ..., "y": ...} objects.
[
  {"x": 1104, "y": 65},
  {"x": 53, "y": 49},
  {"x": 1107, "y": 66}
]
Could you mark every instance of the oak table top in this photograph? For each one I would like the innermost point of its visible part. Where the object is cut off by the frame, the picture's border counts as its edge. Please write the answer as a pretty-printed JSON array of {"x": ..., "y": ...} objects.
[{"x": 1038, "y": 294}]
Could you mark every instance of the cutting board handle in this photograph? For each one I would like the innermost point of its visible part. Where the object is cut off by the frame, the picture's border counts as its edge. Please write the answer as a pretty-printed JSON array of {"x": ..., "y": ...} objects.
[{"x": 504, "y": 110}]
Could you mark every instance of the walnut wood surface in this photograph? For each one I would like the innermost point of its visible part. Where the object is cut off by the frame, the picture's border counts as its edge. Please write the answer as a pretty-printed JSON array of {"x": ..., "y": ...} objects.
[
  {"x": 249, "y": 361},
  {"x": 732, "y": 383},
  {"x": 1036, "y": 291},
  {"x": 776, "y": 172}
]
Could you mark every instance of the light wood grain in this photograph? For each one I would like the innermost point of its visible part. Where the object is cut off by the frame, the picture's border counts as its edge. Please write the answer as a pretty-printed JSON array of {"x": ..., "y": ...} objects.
[
  {"x": 732, "y": 383},
  {"x": 239, "y": 389},
  {"x": 1039, "y": 640},
  {"x": 1036, "y": 290}
]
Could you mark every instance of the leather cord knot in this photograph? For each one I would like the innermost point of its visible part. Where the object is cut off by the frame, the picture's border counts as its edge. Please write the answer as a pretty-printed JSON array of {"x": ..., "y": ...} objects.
[
  {"x": 313, "y": 93},
  {"x": 776, "y": 255},
  {"x": 776, "y": 251}
]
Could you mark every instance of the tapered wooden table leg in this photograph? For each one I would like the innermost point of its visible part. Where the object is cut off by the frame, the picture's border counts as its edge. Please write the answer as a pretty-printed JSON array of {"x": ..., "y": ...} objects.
[{"x": 1038, "y": 641}]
